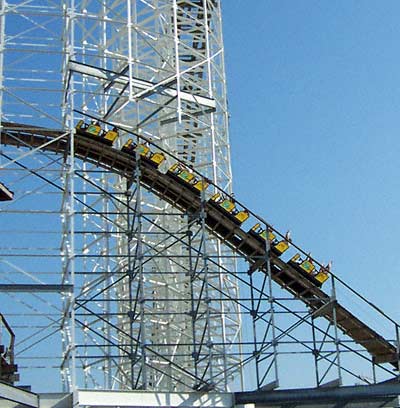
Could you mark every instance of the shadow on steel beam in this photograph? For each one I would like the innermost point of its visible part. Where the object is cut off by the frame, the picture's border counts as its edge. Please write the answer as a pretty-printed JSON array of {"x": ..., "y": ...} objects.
[{"x": 358, "y": 396}]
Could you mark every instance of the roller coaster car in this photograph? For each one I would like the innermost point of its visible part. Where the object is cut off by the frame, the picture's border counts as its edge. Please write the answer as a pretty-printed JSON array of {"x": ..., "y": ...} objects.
[
  {"x": 277, "y": 247},
  {"x": 229, "y": 207},
  {"x": 307, "y": 268},
  {"x": 185, "y": 176},
  {"x": 94, "y": 131},
  {"x": 131, "y": 148},
  {"x": 322, "y": 276},
  {"x": 5, "y": 193}
]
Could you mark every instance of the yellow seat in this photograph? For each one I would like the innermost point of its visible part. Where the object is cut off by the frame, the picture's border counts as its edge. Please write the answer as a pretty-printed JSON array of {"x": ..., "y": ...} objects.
[
  {"x": 263, "y": 235},
  {"x": 281, "y": 247},
  {"x": 93, "y": 129},
  {"x": 216, "y": 197},
  {"x": 111, "y": 135},
  {"x": 128, "y": 144},
  {"x": 295, "y": 258},
  {"x": 80, "y": 125},
  {"x": 142, "y": 149},
  {"x": 186, "y": 175},
  {"x": 307, "y": 266},
  {"x": 157, "y": 158},
  {"x": 263, "y": 232},
  {"x": 322, "y": 276},
  {"x": 228, "y": 205},
  {"x": 201, "y": 185},
  {"x": 242, "y": 216},
  {"x": 175, "y": 168}
]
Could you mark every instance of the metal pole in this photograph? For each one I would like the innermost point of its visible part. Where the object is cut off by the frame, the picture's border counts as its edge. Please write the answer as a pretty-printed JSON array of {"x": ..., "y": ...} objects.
[
  {"x": 336, "y": 331},
  {"x": 271, "y": 305}
]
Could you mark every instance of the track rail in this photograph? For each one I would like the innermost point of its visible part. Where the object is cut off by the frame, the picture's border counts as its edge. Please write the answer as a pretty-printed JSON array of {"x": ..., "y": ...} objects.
[{"x": 183, "y": 197}]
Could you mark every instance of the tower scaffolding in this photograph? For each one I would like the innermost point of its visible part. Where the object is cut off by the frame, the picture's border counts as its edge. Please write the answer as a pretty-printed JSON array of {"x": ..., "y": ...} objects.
[
  {"x": 125, "y": 264},
  {"x": 160, "y": 75}
]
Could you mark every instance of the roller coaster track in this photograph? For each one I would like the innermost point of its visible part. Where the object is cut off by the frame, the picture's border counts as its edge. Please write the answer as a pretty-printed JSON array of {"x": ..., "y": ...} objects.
[{"x": 183, "y": 197}]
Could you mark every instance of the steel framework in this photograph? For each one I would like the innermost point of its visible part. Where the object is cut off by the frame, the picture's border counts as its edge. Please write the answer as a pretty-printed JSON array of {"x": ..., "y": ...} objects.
[
  {"x": 145, "y": 283},
  {"x": 161, "y": 75},
  {"x": 155, "y": 69}
]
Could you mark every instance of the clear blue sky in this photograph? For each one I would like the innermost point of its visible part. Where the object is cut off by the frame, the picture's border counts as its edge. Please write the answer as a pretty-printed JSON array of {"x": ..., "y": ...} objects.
[{"x": 314, "y": 96}]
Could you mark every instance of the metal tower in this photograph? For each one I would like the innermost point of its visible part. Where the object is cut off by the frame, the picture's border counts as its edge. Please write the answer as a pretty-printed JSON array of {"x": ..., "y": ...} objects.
[
  {"x": 154, "y": 69},
  {"x": 122, "y": 275}
]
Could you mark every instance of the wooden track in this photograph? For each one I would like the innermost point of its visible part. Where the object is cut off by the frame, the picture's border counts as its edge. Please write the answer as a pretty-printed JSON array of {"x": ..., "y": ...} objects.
[{"x": 183, "y": 197}]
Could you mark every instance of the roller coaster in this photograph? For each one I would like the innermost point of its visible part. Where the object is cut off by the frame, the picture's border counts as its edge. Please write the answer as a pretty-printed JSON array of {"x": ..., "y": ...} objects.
[
  {"x": 127, "y": 264},
  {"x": 187, "y": 190}
]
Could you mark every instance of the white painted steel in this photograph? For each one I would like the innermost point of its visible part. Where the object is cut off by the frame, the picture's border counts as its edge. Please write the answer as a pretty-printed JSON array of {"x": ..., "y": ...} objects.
[
  {"x": 19, "y": 396},
  {"x": 171, "y": 89},
  {"x": 153, "y": 399}
]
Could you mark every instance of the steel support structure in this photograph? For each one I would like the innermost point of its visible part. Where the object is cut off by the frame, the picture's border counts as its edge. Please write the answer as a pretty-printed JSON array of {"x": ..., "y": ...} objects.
[
  {"x": 154, "y": 68},
  {"x": 143, "y": 293},
  {"x": 373, "y": 396},
  {"x": 31, "y": 54}
]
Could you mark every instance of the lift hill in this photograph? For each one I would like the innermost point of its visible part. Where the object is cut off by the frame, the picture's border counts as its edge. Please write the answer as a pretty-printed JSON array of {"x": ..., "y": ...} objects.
[{"x": 220, "y": 222}]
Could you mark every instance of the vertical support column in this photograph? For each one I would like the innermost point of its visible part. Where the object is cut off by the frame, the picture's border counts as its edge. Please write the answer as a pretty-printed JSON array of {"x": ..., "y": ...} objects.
[
  {"x": 131, "y": 276},
  {"x": 210, "y": 91},
  {"x": 193, "y": 313},
  {"x": 373, "y": 370},
  {"x": 105, "y": 261},
  {"x": 397, "y": 329},
  {"x": 68, "y": 365},
  {"x": 315, "y": 351},
  {"x": 336, "y": 332},
  {"x": 177, "y": 63},
  {"x": 266, "y": 361},
  {"x": 253, "y": 314},
  {"x": 213, "y": 35},
  {"x": 107, "y": 298},
  {"x": 275, "y": 382},
  {"x": 72, "y": 254},
  {"x": 2, "y": 46},
  {"x": 68, "y": 207},
  {"x": 207, "y": 298},
  {"x": 325, "y": 361},
  {"x": 139, "y": 255},
  {"x": 130, "y": 48}
]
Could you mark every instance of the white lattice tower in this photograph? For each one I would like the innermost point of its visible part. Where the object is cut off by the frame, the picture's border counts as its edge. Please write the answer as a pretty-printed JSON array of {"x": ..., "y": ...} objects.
[
  {"x": 172, "y": 45},
  {"x": 139, "y": 267}
]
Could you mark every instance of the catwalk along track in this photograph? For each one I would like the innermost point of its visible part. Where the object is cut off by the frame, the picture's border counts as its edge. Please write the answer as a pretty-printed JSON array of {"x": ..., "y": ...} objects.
[{"x": 184, "y": 196}]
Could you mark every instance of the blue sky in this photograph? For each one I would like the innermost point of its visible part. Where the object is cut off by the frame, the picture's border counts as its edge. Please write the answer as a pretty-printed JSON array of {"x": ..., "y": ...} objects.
[{"x": 313, "y": 89}]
